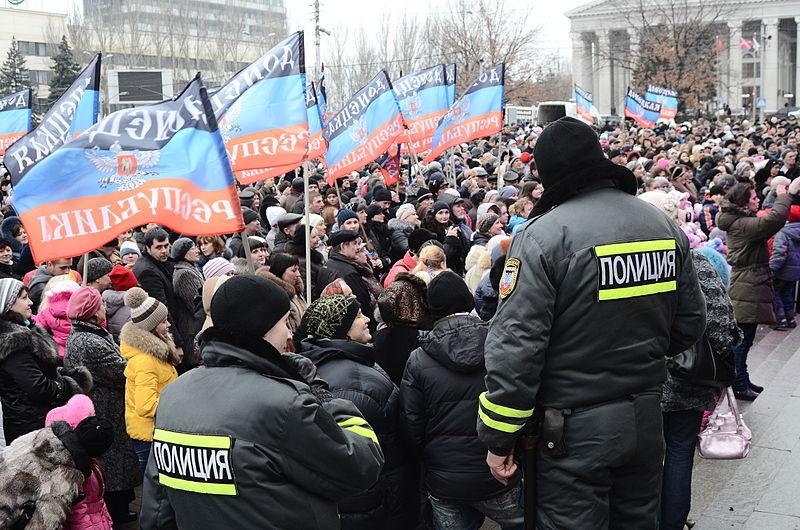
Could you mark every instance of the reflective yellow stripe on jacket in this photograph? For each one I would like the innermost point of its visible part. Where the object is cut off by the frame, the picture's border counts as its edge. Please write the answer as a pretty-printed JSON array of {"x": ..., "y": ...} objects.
[
  {"x": 500, "y": 417},
  {"x": 360, "y": 427}
]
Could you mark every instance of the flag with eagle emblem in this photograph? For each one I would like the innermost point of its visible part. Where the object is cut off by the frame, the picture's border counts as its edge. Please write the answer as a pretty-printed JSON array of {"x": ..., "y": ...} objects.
[
  {"x": 15, "y": 118},
  {"x": 423, "y": 98},
  {"x": 364, "y": 129},
  {"x": 163, "y": 163}
]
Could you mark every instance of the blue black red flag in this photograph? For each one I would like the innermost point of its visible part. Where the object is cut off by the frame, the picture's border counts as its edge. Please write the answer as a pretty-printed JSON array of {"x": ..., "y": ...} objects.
[
  {"x": 262, "y": 113},
  {"x": 364, "y": 129},
  {"x": 390, "y": 165},
  {"x": 163, "y": 163},
  {"x": 74, "y": 112},
  {"x": 316, "y": 143},
  {"x": 668, "y": 99},
  {"x": 583, "y": 104},
  {"x": 644, "y": 113},
  {"x": 423, "y": 100},
  {"x": 477, "y": 113},
  {"x": 15, "y": 118}
]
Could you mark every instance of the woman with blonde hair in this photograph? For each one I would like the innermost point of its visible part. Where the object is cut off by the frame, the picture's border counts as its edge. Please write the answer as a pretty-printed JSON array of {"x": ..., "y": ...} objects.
[{"x": 432, "y": 261}]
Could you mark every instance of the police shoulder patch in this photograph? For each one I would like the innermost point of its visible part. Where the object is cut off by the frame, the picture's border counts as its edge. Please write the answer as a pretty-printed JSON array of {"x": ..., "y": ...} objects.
[{"x": 509, "y": 279}]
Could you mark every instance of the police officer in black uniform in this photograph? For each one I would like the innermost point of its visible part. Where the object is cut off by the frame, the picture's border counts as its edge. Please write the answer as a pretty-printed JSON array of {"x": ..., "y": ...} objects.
[{"x": 597, "y": 290}]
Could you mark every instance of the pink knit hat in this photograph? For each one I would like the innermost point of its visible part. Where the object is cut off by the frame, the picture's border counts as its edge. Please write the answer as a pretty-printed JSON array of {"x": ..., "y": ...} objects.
[
  {"x": 84, "y": 303},
  {"x": 218, "y": 267}
]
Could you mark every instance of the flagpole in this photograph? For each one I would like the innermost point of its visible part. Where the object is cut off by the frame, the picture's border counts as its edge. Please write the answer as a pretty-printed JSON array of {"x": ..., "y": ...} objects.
[
  {"x": 307, "y": 228},
  {"x": 85, "y": 269},
  {"x": 411, "y": 149},
  {"x": 500, "y": 180},
  {"x": 338, "y": 193},
  {"x": 453, "y": 167},
  {"x": 248, "y": 257}
]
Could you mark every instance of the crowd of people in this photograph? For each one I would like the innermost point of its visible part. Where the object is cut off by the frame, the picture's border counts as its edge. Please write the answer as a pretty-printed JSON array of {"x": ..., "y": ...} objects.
[{"x": 368, "y": 412}]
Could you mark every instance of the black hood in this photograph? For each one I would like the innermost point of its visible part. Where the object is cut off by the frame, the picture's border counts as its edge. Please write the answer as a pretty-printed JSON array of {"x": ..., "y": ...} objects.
[
  {"x": 323, "y": 350},
  {"x": 456, "y": 342}
]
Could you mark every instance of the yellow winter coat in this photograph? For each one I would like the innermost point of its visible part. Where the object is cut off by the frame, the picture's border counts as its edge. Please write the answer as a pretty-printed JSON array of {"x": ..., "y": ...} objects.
[{"x": 149, "y": 370}]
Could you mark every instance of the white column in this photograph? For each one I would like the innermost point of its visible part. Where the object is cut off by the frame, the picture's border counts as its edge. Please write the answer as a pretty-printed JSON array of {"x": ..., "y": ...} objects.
[
  {"x": 769, "y": 89},
  {"x": 797, "y": 65},
  {"x": 579, "y": 61},
  {"x": 604, "y": 96},
  {"x": 735, "y": 66}
]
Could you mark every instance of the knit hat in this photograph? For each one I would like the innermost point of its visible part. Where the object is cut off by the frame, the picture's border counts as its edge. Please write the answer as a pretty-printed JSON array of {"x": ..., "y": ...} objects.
[
  {"x": 404, "y": 211},
  {"x": 418, "y": 237},
  {"x": 217, "y": 267},
  {"x": 146, "y": 312},
  {"x": 97, "y": 268},
  {"x": 331, "y": 317},
  {"x": 486, "y": 221},
  {"x": 404, "y": 301},
  {"x": 9, "y": 291},
  {"x": 509, "y": 192},
  {"x": 313, "y": 220},
  {"x": 181, "y": 246},
  {"x": 248, "y": 305},
  {"x": 78, "y": 408},
  {"x": 373, "y": 210},
  {"x": 129, "y": 247},
  {"x": 84, "y": 303},
  {"x": 249, "y": 215},
  {"x": 448, "y": 294},
  {"x": 439, "y": 205},
  {"x": 345, "y": 214},
  {"x": 381, "y": 194},
  {"x": 273, "y": 214},
  {"x": 122, "y": 278}
]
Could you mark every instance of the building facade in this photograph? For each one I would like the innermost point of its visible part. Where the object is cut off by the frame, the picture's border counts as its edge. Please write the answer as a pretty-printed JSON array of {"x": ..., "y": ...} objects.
[
  {"x": 37, "y": 35},
  {"x": 757, "y": 59}
]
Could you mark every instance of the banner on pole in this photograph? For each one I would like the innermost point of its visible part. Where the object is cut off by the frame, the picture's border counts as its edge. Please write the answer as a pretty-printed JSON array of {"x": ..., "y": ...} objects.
[
  {"x": 668, "y": 99},
  {"x": 390, "y": 165},
  {"x": 644, "y": 113},
  {"x": 316, "y": 143},
  {"x": 15, "y": 118},
  {"x": 163, "y": 163},
  {"x": 74, "y": 112},
  {"x": 423, "y": 99},
  {"x": 477, "y": 113},
  {"x": 262, "y": 113},
  {"x": 368, "y": 123},
  {"x": 583, "y": 104}
]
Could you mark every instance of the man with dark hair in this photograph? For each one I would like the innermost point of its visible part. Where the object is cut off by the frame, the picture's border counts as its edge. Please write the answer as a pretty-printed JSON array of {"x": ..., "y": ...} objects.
[
  {"x": 43, "y": 274},
  {"x": 154, "y": 272}
]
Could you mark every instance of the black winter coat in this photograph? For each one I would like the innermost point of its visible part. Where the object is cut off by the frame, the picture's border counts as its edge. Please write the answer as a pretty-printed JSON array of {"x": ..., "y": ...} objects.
[
  {"x": 339, "y": 266},
  {"x": 30, "y": 381},
  {"x": 155, "y": 277},
  {"x": 350, "y": 370},
  {"x": 393, "y": 346},
  {"x": 439, "y": 396},
  {"x": 94, "y": 348}
]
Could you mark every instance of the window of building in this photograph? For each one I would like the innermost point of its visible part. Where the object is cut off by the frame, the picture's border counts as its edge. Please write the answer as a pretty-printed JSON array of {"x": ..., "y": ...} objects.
[
  {"x": 41, "y": 77},
  {"x": 38, "y": 49},
  {"x": 751, "y": 70}
]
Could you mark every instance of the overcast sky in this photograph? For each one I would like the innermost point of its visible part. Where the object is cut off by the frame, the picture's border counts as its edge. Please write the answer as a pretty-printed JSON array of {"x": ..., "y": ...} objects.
[{"x": 364, "y": 14}]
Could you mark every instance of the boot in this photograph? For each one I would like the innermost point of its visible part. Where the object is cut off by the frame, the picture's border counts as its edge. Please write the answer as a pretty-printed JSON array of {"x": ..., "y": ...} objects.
[
  {"x": 782, "y": 325},
  {"x": 791, "y": 323},
  {"x": 746, "y": 395}
]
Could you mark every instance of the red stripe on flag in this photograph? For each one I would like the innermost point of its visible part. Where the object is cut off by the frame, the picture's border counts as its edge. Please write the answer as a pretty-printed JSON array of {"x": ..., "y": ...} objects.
[
  {"x": 266, "y": 149},
  {"x": 7, "y": 139},
  {"x": 369, "y": 150},
  {"x": 69, "y": 228},
  {"x": 422, "y": 128},
  {"x": 477, "y": 127}
]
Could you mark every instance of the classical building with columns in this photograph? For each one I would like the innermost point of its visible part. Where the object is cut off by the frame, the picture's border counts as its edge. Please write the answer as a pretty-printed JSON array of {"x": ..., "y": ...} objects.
[{"x": 770, "y": 70}]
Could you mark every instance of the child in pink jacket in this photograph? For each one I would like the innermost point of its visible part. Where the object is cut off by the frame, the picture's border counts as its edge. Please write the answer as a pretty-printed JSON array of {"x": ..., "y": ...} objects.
[
  {"x": 90, "y": 512},
  {"x": 53, "y": 312}
]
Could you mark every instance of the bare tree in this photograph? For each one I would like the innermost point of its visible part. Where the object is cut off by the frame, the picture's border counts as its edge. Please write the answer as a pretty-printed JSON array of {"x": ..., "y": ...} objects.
[{"x": 673, "y": 42}]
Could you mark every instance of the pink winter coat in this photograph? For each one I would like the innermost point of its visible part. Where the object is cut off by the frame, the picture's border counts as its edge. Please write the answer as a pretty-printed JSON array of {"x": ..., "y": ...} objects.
[
  {"x": 54, "y": 319},
  {"x": 90, "y": 513}
]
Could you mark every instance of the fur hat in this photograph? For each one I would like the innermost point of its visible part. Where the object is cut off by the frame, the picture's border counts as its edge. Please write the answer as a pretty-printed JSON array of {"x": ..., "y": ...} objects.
[
  {"x": 331, "y": 317},
  {"x": 405, "y": 301},
  {"x": 97, "y": 268},
  {"x": 404, "y": 211},
  {"x": 84, "y": 303},
  {"x": 181, "y": 246},
  {"x": 146, "y": 312}
]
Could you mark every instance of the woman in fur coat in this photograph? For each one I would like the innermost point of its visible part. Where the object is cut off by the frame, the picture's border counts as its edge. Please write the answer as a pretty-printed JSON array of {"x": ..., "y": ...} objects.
[
  {"x": 46, "y": 476},
  {"x": 91, "y": 346},
  {"x": 147, "y": 345},
  {"x": 30, "y": 379}
]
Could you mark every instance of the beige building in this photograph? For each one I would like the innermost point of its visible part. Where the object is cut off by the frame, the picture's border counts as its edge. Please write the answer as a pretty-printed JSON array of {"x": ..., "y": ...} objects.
[
  {"x": 767, "y": 69},
  {"x": 31, "y": 30}
]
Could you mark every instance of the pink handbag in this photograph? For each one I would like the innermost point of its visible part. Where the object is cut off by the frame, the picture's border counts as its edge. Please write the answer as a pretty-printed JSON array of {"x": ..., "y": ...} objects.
[{"x": 725, "y": 437}]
